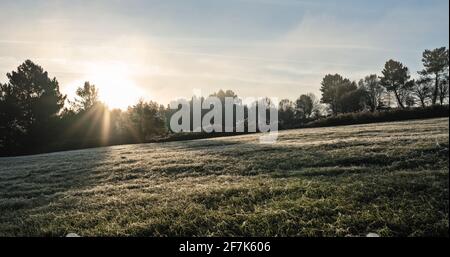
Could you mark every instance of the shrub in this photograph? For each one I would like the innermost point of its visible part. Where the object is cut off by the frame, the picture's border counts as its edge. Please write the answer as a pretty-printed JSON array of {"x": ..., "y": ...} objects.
[{"x": 435, "y": 111}]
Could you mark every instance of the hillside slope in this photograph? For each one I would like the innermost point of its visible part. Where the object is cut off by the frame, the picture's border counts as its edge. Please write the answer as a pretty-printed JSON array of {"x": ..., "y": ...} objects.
[{"x": 388, "y": 178}]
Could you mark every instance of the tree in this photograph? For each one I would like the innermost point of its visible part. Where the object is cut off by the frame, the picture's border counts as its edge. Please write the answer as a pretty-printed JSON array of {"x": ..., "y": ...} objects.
[
  {"x": 146, "y": 120},
  {"x": 31, "y": 104},
  {"x": 410, "y": 101},
  {"x": 317, "y": 108},
  {"x": 221, "y": 95},
  {"x": 374, "y": 91},
  {"x": 443, "y": 89},
  {"x": 11, "y": 132},
  {"x": 87, "y": 97},
  {"x": 406, "y": 93},
  {"x": 436, "y": 63},
  {"x": 87, "y": 121},
  {"x": 304, "y": 107},
  {"x": 394, "y": 79},
  {"x": 333, "y": 88},
  {"x": 286, "y": 113},
  {"x": 422, "y": 89},
  {"x": 354, "y": 101}
]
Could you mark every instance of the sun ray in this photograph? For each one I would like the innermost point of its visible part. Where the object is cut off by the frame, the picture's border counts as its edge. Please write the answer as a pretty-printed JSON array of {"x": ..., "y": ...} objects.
[{"x": 117, "y": 88}]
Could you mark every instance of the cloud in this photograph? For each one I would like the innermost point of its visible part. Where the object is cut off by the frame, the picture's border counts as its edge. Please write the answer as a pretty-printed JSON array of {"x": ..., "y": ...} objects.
[{"x": 254, "y": 47}]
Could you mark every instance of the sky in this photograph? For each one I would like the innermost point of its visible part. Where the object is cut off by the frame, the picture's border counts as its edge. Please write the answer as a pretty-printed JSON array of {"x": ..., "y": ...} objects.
[{"x": 162, "y": 50}]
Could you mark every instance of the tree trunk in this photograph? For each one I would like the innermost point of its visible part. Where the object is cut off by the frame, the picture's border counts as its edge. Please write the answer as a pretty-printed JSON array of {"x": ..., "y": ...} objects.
[
  {"x": 398, "y": 100},
  {"x": 436, "y": 89},
  {"x": 373, "y": 104},
  {"x": 422, "y": 101}
]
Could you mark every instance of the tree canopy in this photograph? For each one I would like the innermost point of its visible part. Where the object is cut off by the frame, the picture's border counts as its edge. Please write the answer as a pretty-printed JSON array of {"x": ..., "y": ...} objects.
[
  {"x": 394, "y": 79},
  {"x": 32, "y": 118},
  {"x": 436, "y": 64},
  {"x": 31, "y": 101}
]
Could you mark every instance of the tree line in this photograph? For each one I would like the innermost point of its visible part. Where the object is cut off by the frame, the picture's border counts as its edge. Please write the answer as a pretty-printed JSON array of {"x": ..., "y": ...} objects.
[
  {"x": 394, "y": 88},
  {"x": 36, "y": 117}
]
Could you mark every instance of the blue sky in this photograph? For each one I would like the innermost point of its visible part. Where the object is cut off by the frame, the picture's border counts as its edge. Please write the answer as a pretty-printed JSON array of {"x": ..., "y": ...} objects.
[{"x": 160, "y": 50}]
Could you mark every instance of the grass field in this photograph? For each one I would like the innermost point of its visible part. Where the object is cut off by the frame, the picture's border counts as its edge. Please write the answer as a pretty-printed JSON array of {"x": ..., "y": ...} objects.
[{"x": 387, "y": 178}]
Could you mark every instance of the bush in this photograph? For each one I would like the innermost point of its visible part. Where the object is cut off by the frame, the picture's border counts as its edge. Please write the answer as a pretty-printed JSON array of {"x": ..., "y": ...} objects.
[{"x": 435, "y": 111}]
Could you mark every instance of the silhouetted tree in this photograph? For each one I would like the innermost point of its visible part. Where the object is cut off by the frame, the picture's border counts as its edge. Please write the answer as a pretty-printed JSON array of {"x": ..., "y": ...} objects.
[
  {"x": 374, "y": 91},
  {"x": 354, "y": 101},
  {"x": 87, "y": 122},
  {"x": 11, "y": 134},
  {"x": 303, "y": 107},
  {"x": 87, "y": 97},
  {"x": 286, "y": 113},
  {"x": 317, "y": 109},
  {"x": 31, "y": 119},
  {"x": 333, "y": 88},
  {"x": 31, "y": 102},
  {"x": 443, "y": 89},
  {"x": 422, "y": 89},
  {"x": 436, "y": 63},
  {"x": 410, "y": 101},
  {"x": 394, "y": 79},
  {"x": 222, "y": 95},
  {"x": 146, "y": 120}
]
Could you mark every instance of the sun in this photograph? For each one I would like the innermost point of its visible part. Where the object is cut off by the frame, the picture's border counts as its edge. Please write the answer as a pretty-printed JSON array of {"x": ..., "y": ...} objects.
[{"x": 115, "y": 84}]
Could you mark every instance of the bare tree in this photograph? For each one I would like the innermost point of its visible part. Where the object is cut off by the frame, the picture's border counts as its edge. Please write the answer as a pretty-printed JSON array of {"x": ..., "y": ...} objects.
[
  {"x": 372, "y": 85},
  {"x": 317, "y": 107},
  {"x": 443, "y": 89},
  {"x": 422, "y": 89}
]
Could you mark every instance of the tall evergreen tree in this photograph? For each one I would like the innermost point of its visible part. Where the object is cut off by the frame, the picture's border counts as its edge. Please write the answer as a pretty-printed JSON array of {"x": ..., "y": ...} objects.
[
  {"x": 31, "y": 102},
  {"x": 395, "y": 79},
  {"x": 436, "y": 64}
]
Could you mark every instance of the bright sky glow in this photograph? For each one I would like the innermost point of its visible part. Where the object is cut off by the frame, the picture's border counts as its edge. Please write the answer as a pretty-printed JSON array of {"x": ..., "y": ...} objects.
[{"x": 159, "y": 50}]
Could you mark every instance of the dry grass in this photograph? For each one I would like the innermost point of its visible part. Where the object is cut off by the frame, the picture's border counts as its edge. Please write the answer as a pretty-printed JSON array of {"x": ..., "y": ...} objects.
[{"x": 388, "y": 178}]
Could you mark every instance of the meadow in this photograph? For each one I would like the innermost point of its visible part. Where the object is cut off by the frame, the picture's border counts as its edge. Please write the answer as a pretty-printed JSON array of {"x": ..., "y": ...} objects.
[{"x": 387, "y": 178}]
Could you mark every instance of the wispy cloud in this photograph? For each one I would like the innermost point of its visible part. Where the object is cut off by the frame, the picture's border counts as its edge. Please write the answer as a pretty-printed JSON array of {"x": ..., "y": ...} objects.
[{"x": 264, "y": 47}]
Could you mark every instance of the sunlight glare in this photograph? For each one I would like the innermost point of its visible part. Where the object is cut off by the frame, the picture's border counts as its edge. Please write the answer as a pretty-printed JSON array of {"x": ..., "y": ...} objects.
[{"x": 116, "y": 86}]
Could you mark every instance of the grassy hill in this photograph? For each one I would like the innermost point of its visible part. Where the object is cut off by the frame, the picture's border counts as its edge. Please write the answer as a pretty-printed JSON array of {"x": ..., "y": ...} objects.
[{"x": 387, "y": 178}]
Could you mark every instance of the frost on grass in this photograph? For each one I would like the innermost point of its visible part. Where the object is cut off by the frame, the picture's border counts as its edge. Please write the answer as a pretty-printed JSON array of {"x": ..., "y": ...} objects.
[{"x": 388, "y": 179}]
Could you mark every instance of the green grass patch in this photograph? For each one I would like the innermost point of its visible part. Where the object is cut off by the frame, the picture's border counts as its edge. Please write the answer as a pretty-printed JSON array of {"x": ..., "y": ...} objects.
[{"x": 387, "y": 178}]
